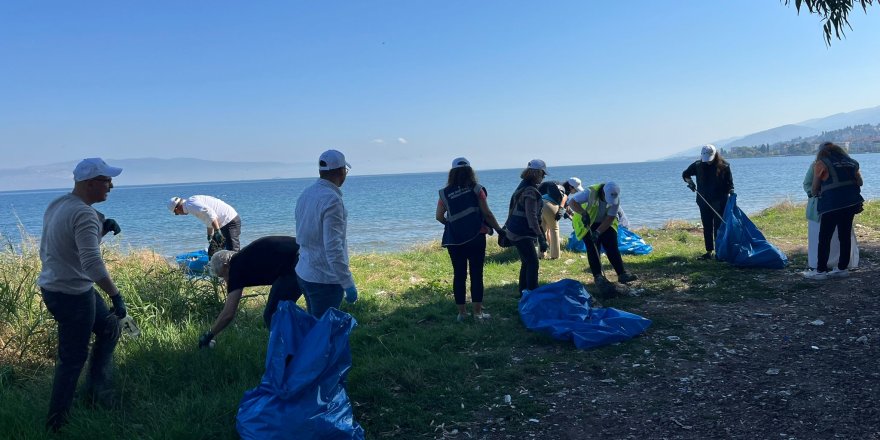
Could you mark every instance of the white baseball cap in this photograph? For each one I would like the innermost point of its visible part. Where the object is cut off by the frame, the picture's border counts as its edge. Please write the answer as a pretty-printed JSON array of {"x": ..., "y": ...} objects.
[
  {"x": 172, "y": 204},
  {"x": 575, "y": 183},
  {"x": 612, "y": 193},
  {"x": 94, "y": 167},
  {"x": 538, "y": 164},
  {"x": 707, "y": 154},
  {"x": 459, "y": 162},
  {"x": 332, "y": 159}
]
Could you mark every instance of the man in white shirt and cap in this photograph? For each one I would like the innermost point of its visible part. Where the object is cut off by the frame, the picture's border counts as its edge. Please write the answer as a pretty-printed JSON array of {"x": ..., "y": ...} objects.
[
  {"x": 321, "y": 223},
  {"x": 70, "y": 252},
  {"x": 221, "y": 220}
]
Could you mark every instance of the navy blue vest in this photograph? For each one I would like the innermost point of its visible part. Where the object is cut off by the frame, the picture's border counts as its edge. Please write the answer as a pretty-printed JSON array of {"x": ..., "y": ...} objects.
[
  {"x": 841, "y": 188},
  {"x": 463, "y": 216},
  {"x": 517, "y": 222}
]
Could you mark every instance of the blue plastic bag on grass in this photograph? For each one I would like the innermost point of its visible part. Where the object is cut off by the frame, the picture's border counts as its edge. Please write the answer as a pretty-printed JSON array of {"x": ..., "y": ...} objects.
[
  {"x": 302, "y": 393},
  {"x": 564, "y": 311},
  {"x": 628, "y": 242},
  {"x": 195, "y": 262},
  {"x": 739, "y": 242}
]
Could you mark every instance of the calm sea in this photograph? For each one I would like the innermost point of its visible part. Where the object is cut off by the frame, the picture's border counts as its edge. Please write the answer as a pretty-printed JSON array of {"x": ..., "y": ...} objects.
[{"x": 393, "y": 212}]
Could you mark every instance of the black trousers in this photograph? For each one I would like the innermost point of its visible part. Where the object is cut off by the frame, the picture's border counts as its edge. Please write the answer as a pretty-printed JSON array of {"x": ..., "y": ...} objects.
[
  {"x": 842, "y": 220},
  {"x": 79, "y": 316},
  {"x": 607, "y": 240},
  {"x": 473, "y": 254},
  {"x": 231, "y": 232},
  {"x": 711, "y": 222},
  {"x": 528, "y": 269},
  {"x": 285, "y": 288}
]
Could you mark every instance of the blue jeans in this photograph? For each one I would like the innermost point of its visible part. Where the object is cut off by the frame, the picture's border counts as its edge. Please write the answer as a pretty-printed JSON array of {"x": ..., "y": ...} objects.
[
  {"x": 79, "y": 316},
  {"x": 320, "y": 297}
]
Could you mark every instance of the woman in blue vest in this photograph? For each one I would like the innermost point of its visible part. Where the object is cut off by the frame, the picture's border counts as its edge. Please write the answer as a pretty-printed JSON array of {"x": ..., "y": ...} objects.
[
  {"x": 467, "y": 219},
  {"x": 837, "y": 184},
  {"x": 714, "y": 184},
  {"x": 523, "y": 224}
]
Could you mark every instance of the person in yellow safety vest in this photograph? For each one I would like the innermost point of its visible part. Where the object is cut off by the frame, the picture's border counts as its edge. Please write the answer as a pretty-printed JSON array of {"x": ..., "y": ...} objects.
[{"x": 598, "y": 207}]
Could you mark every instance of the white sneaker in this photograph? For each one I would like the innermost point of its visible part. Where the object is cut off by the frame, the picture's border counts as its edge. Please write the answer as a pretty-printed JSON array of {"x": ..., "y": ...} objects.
[
  {"x": 460, "y": 317},
  {"x": 482, "y": 316},
  {"x": 837, "y": 273},
  {"x": 815, "y": 275}
]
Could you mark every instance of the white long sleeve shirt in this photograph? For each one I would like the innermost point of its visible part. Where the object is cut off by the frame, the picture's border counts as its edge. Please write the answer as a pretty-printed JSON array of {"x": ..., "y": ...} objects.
[
  {"x": 207, "y": 209},
  {"x": 321, "y": 222},
  {"x": 70, "y": 247}
]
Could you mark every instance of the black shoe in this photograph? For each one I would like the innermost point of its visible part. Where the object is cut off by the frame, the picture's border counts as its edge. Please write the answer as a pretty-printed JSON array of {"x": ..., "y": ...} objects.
[
  {"x": 706, "y": 256},
  {"x": 626, "y": 277}
]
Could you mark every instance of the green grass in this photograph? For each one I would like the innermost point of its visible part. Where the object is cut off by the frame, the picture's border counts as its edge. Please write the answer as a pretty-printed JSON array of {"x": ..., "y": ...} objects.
[{"x": 414, "y": 368}]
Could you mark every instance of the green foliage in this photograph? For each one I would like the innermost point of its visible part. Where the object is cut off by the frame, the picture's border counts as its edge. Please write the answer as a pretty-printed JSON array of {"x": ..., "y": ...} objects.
[{"x": 835, "y": 13}]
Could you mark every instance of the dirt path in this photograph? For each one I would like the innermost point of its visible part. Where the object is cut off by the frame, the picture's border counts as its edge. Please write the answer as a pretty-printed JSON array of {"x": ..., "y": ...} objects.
[{"x": 803, "y": 365}]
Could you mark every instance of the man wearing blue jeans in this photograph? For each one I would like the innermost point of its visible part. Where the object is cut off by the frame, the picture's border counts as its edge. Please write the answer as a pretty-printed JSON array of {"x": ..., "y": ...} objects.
[
  {"x": 70, "y": 250},
  {"x": 321, "y": 222}
]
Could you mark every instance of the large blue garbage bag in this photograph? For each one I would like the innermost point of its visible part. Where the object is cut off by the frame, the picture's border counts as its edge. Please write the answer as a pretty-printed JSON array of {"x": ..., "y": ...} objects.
[
  {"x": 739, "y": 242},
  {"x": 302, "y": 393},
  {"x": 564, "y": 311},
  {"x": 628, "y": 242},
  {"x": 195, "y": 262}
]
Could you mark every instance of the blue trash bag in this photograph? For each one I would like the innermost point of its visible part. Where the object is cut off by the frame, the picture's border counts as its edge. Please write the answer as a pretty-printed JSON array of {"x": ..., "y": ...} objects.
[
  {"x": 628, "y": 242},
  {"x": 739, "y": 242},
  {"x": 564, "y": 311},
  {"x": 195, "y": 262},
  {"x": 302, "y": 393}
]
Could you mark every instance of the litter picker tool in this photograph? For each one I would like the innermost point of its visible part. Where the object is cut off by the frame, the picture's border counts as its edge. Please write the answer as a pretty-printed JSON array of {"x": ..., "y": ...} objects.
[{"x": 710, "y": 206}]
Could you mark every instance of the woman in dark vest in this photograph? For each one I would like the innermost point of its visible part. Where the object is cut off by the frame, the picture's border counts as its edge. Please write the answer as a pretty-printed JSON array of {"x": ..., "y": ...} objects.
[
  {"x": 467, "y": 219},
  {"x": 714, "y": 184},
  {"x": 837, "y": 184},
  {"x": 524, "y": 223}
]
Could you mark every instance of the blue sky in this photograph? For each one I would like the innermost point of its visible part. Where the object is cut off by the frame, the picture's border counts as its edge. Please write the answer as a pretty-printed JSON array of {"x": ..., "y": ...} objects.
[{"x": 405, "y": 86}]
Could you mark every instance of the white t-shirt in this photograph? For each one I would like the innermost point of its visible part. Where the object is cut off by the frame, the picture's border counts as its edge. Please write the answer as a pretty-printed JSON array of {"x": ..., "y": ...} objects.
[{"x": 207, "y": 209}]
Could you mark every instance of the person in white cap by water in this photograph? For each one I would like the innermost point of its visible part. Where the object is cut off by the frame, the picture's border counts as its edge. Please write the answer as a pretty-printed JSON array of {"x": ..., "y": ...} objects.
[
  {"x": 222, "y": 221},
  {"x": 595, "y": 222},
  {"x": 523, "y": 224},
  {"x": 321, "y": 222},
  {"x": 466, "y": 219},
  {"x": 70, "y": 251},
  {"x": 714, "y": 185}
]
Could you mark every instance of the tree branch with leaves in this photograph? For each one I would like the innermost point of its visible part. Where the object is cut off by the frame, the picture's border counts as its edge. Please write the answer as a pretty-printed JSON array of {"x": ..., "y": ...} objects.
[{"x": 835, "y": 13}]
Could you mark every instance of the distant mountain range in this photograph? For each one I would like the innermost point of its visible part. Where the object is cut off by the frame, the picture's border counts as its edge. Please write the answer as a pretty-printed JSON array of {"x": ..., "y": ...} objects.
[
  {"x": 811, "y": 127},
  {"x": 151, "y": 171}
]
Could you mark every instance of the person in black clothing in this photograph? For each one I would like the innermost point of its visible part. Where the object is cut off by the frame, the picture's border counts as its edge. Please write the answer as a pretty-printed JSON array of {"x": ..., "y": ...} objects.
[
  {"x": 466, "y": 217},
  {"x": 714, "y": 185},
  {"x": 266, "y": 261},
  {"x": 523, "y": 224}
]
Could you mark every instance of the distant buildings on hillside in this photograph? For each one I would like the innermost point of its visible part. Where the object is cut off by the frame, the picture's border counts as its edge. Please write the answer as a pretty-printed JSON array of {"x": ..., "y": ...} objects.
[{"x": 856, "y": 139}]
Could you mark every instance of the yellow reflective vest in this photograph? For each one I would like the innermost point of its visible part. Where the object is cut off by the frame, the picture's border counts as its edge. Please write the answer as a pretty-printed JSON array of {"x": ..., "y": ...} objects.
[{"x": 592, "y": 208}]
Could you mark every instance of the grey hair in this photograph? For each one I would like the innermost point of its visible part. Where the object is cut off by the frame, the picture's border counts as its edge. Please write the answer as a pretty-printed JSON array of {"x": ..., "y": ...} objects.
[{"x": 219, "y": 259}]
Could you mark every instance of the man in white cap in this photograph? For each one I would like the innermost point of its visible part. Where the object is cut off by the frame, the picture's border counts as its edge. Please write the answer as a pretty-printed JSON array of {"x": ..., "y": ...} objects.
[
  {"x": 70, "y": 250},
  {"x": 221, "y": 220},
  {"x": 595, "y": 222},
  {"x": 713, "y": 186},
  {"x": 321, "y": 223}
]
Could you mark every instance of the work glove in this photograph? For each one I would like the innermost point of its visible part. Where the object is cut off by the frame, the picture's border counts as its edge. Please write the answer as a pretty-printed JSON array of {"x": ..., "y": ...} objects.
[
  {"x": 490, "y": 232},
  {"x": 566, "y": 215},
  {"x": 351, "y": 294},
  {"x": 205, "y": 339},
  {"x": 118, "y": 306},
  {"x": 110, "y": 225},
  {"x": 692, "y": 186},
  {"x": 558, "y": 215},
  {"x": 594, "y": 235},
  {"x": 217, "y": 237},
  {"x": 542, "y": 244}
]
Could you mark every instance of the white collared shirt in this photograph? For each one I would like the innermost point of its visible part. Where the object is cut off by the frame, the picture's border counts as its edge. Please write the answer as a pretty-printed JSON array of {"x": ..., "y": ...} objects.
[
  {"x": 321, "y": 222},
  {"x": 207, "y": 209}
]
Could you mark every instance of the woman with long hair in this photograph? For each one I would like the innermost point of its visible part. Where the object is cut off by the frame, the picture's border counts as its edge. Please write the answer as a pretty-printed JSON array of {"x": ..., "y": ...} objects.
[
  {"x": 523, "y": 224},
  {"x": 714, "y": 184},
  {"x": 466, "y": 217},
  {"x": 837, "y": 184},
  {"x": 812, "y": 214}
]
